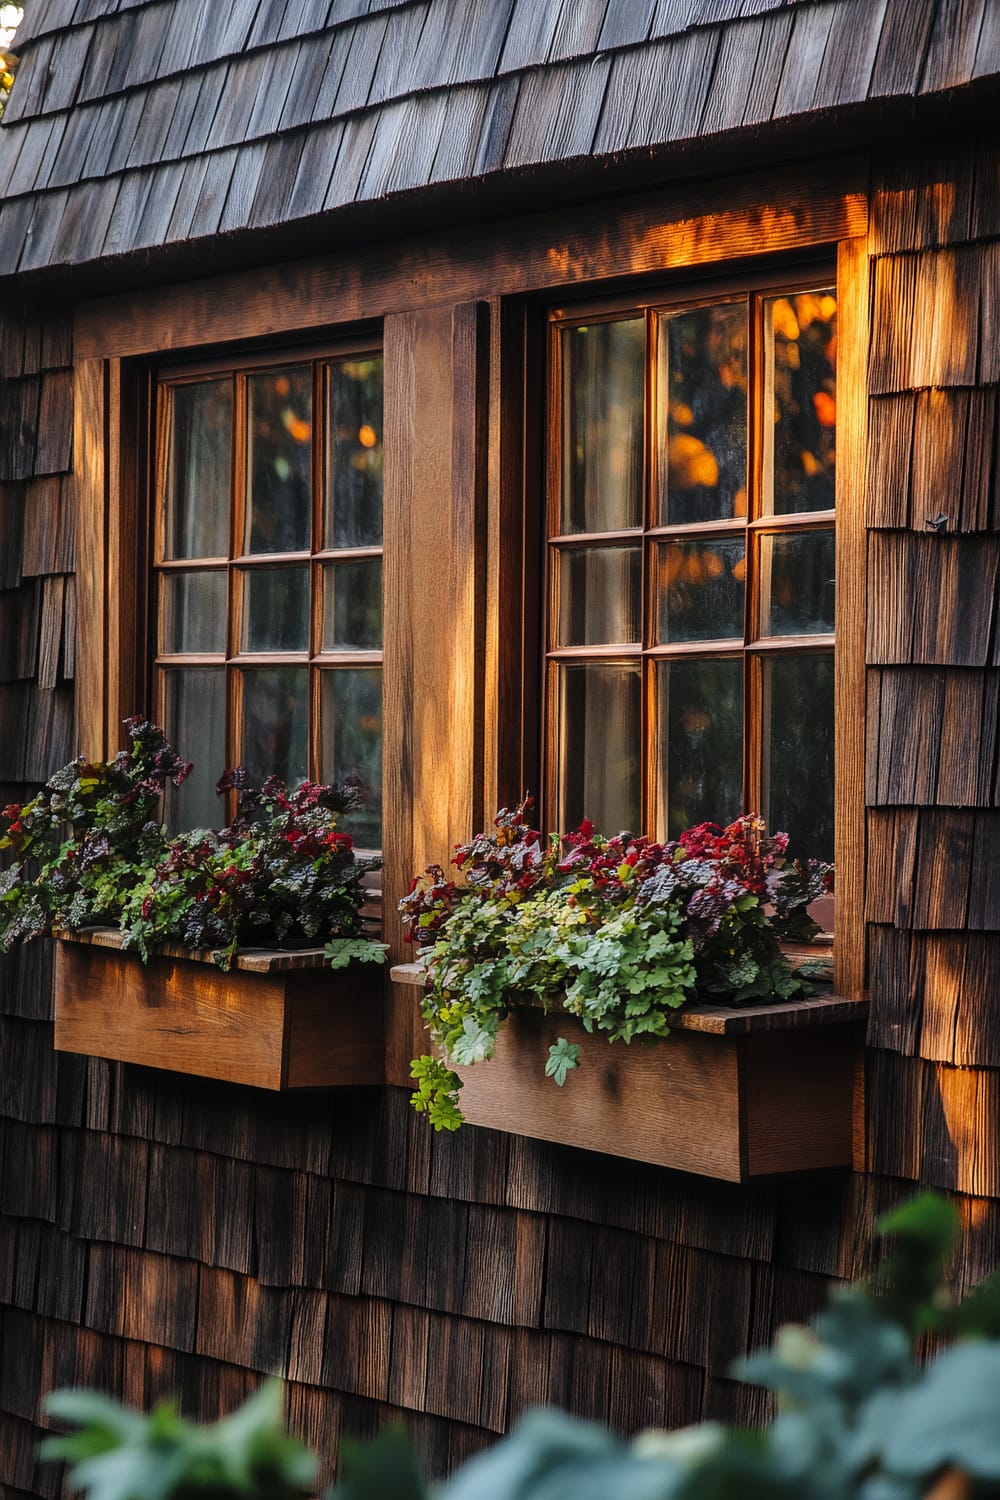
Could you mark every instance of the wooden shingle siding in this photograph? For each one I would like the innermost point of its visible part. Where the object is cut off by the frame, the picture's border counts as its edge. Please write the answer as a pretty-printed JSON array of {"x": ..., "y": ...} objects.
[{"x": 137, "y": 89}]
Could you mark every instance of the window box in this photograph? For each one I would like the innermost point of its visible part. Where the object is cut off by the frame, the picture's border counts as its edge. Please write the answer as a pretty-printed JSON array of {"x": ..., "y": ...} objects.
[
  {"x": 277, "y": 1020},
  {"x": 734, "y": 1092}
]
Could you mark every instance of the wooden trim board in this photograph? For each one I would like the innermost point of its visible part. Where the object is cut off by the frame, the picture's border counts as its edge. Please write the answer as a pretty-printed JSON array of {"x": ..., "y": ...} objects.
[{"x": 724, "y": 219}]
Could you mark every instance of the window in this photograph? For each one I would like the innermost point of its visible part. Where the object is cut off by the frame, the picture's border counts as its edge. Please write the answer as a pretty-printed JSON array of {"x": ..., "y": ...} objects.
[
  {"x": 690, "y": 563},
  {"x": 267, "y": 573}
]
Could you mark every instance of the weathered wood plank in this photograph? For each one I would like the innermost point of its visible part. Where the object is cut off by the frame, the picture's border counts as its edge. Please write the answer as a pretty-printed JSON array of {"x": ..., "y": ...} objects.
[
  {"x": 937, "y": 598},
  {"x": 932, "y": 737}
]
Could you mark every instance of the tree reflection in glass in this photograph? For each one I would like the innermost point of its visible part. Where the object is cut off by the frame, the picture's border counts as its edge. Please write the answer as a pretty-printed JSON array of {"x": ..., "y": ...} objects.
[
  {"x": 700, "y": 723},
  {"x": 353, "y": 508},
  {"x": 801, "y": 337},
  {"x": 279, "y": 436},
  {"x": 702, "y": 418}
]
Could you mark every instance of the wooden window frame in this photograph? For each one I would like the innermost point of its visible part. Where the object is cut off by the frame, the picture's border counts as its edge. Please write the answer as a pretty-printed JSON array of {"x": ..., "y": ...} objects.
[
  {"x": 751, "y": 648},
  {"x": 238, "y": 564}
]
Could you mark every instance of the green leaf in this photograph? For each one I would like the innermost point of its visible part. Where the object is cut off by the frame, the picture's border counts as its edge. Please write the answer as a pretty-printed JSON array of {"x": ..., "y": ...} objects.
[
  {"x": 952, "y": 1417},
  {"x": 385, "y": 1469},
  {"x": 563, "y": 1056},
  {"x": 344, "y": 951}
]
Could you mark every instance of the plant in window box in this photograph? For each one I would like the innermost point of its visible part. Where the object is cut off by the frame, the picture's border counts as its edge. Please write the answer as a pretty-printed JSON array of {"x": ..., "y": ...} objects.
[
  {"x": 623, "y": 934},
  {"x": 91, "y": 854}
]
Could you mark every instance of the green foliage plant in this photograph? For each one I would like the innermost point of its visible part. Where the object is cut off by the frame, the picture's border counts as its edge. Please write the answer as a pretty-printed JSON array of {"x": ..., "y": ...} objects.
[
  {"x": 90, "y": 849},
  {"x": 118, "y": 1454},
  {"x": 618, "y": 932}
]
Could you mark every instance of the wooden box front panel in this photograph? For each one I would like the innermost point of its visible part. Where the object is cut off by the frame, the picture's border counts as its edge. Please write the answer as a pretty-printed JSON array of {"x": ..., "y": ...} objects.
[
  {"x": 732, "y": 1107},
  {"x": 675, "y": 1103},
  {"x": 289, "y": 1029}
]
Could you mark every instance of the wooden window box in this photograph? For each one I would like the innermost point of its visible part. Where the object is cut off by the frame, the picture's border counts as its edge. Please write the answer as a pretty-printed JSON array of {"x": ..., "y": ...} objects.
[
  {"x": 277, "y": 1020},
  {"x": 734, "y": 1092}
]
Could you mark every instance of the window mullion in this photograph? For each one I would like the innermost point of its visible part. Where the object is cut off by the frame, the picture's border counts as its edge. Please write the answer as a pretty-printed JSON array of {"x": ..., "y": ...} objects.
[{"x": 759, "y": 378}]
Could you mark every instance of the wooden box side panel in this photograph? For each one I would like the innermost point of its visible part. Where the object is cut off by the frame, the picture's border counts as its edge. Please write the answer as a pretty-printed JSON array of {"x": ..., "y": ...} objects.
[
  {"x": 798, "y": 1092},
  {"x": 174, "y": 1014},
  {"x": 674, "y": 1103},
  {"x": 335, "y": 1033}
]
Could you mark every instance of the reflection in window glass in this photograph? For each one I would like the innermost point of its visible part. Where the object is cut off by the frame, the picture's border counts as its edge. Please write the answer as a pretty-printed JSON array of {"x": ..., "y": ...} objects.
[
  {"x": 351, "y": 733},
  {"x": 802, "y": 333},
  {"x": 279, "y": 436},
  {"x": 600, "y": 596},
  {"x": 603, "y": 382},
  {"x": 275, "y": 734},
  {"x": 700, "y": 587},
  {"x": 700, "y": 721},
  {"x": 797, "y": 583},
  {"x": 702, "y": 395},
  {"x": 798, "y": 751},
  {"x": 194, "y": 720},
  {"x": 353, "y": 512},
  {"x": 196, "y": 494},
  {"x": 275, "y": 609},
  {"x": 599, "y": 729},
  {"x": 193, "y": 611},
  {"x": 352, "y": 605}
]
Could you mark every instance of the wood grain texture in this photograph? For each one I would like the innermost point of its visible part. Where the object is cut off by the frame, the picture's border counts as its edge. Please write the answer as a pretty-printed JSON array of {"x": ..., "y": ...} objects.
[
  {"x": 436, "y": 392},
  {"x": 731, "y": 1108},
  {"x": 851, "y": 610},
  {"x": 89, "y": 468},
  {"x": 758, "y": 213},
  {"x": 289, "y": 1030}
]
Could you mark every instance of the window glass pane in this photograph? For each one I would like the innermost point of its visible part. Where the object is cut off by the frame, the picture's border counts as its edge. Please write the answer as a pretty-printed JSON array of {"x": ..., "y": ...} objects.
[
  {"x": 351, "y": 735},
  {"x": 352, "y": 605},
  {"x": 600, "y": 596},
  {"x": 199, "y": 429},
  {"x": 700, "y": 721},
  {"x": 797, "y": 742},
  {"x": 602, "y": 419},
  {"x": 702, "y": 419},
  {"x": 275, "y": 723},
  {"x": 801, "y": 333},
  {"x": 275, "y": 609},
  {"x": 193, "y": 612},
  {"x": 797, "y": 583},
  {"x": 700, "y": 588},
  {"x": 194, "y": 721},
  {"x": 600, "y": 729},
  {"x": 353, "y": 508},
  {"x": 279, "y": 467}
]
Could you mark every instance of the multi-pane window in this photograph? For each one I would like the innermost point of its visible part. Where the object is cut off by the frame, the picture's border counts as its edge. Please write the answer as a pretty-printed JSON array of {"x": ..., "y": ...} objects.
[
  {"x": 691, "y": 564},
  {"x": 267, "y": 563}
]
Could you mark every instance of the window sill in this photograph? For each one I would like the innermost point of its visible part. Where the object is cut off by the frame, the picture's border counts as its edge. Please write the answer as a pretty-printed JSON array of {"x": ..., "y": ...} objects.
[
  {"x": 736, "y": 1092},
  {"x": 279, "y": 1020}
]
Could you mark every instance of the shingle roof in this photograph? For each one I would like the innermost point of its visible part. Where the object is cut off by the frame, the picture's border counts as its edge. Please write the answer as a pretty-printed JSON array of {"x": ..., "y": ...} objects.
[{"x": 133, "y": 126}]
